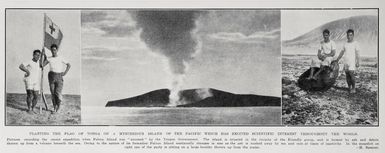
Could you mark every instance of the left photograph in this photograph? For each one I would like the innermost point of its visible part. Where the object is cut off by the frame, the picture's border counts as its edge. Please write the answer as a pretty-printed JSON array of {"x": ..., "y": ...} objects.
[{"x": 42, "y": 67}]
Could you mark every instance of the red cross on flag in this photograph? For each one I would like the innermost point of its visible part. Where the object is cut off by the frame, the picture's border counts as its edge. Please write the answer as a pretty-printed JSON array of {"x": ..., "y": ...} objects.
[{"x": 52, "y": 33}]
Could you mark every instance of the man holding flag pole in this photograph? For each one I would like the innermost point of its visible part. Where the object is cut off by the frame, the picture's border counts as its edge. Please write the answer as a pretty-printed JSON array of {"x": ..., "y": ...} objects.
[
  {"x": 28, "y": 33},
  {"x": 52, "y": 40}
]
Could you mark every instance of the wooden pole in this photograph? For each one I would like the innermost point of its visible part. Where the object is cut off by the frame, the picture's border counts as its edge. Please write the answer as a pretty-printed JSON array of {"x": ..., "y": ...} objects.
[{"x": 42, "y": 68}]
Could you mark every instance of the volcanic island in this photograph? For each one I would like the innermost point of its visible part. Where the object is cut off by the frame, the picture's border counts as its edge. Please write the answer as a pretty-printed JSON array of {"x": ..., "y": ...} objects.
[{"x": 200, "y": 97}]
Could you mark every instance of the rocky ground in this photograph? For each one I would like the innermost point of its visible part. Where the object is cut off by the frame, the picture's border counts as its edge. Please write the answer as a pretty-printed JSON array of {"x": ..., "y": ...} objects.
[{"x": 334, "y": 106}]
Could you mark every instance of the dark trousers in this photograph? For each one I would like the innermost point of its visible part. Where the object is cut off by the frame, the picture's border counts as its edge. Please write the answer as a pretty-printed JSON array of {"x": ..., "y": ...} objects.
[
  {"x": 56, "y": 85},
  {"x": 32, "y": 97}
]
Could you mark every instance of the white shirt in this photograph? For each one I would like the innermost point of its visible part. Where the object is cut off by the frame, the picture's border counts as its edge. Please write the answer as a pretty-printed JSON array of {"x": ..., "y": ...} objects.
[
  {"x": 327, "y": 47},
  {"x": 350, "y": 52},
  {"x": 34, "y": 71},
  {"x": 57, "y": 64}
]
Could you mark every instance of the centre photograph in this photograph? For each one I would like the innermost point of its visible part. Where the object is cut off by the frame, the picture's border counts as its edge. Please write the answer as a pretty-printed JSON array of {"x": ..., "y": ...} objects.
[{"x": 181, "y": 67}]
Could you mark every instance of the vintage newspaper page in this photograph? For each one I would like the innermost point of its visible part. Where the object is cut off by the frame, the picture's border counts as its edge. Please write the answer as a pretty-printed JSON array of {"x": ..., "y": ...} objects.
[{"x": 188, "y": 76}]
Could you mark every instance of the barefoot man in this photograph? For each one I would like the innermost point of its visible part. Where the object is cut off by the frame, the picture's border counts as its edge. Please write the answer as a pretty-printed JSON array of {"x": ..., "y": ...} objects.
[
  {"x": 55, "y": 76},
  {"x": 32, "y": 79},
  {"x": 351, "y": 55}
]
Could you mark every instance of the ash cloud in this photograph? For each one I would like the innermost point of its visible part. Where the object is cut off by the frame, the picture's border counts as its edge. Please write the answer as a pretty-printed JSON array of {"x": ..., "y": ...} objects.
[{"x": 170, "y": 33}]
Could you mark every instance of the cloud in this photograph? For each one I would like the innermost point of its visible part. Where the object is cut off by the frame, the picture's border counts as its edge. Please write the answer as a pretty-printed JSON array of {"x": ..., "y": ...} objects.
[
  {"x": 116, "y": 23},
  {"x": 246, "y": 22},
  {"x": 110, "y": 53},
  {"x": 93, "y": 16},
  {"x": 118, "y": 30},
  {"x": 92, "y": 30},
  {"x": 269, "y": 34},
  {"x": 257, "y": 37},
  {"x": 98, "y": 58},
  {"x": 99, "y": 53}
]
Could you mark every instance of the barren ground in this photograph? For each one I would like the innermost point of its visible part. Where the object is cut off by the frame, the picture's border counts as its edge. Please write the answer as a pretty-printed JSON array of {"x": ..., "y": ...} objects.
[
  {"x": 16, "y": 111},
  {"x": 334, "y": 106}
]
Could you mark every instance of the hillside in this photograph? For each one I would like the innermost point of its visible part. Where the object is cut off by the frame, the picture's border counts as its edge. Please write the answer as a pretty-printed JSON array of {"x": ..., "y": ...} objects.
[{"x": 366, "y": 33}]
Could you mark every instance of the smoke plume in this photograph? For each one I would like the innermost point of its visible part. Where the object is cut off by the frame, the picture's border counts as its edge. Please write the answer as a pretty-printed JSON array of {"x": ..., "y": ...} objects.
[
  {"x": 203, "y": 93},
  {"x": 172, "y": 34}
]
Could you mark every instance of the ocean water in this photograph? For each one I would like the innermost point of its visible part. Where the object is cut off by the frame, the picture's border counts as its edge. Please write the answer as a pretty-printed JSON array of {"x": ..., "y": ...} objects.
[{"x": 181, "y": 116}]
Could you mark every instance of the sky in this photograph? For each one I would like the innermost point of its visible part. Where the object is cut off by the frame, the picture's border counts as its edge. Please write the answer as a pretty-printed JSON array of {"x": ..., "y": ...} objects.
[
  {"x": 298, "y": 22},
  {"x": 234, "y": 51},
  {"x": 24, "y": 33}
]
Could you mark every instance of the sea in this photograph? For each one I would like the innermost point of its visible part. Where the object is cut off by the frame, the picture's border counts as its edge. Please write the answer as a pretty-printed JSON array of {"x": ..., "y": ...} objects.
[{"x": 94, "y": 115}]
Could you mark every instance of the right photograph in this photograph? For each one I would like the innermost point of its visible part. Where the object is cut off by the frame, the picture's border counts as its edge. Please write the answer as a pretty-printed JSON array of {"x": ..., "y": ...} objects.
[{"x": 330, "y": 67}]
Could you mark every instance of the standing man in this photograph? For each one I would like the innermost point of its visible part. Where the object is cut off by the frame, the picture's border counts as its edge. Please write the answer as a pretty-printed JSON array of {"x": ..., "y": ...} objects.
[
  {"x": 32, "y": 79},
  {"x": 325, "y": 54},
  {"x": 55, "y": 75},
  {"x": 351, "y": 55}
]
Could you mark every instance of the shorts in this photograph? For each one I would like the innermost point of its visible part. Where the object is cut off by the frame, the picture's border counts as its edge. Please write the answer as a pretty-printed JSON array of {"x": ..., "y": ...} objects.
[
  {"x": 315, "y": 62},
  {"x": 349, "y": 65},
  {"x": 29, "y": 85}
]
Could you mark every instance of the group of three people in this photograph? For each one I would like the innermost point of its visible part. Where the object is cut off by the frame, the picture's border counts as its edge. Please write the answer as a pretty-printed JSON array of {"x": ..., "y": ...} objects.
[
  {"x": 32, "y": 77},
  {"x": 326, "y": 55}
]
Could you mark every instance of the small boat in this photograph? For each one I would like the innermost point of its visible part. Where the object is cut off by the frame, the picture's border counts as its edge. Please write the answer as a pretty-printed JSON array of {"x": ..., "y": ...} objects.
[{"x": 322, "y": 82}]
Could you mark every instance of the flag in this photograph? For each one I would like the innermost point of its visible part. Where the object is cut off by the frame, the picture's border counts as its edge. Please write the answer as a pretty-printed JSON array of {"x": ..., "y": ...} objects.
[{"x": 52, "y": 33}]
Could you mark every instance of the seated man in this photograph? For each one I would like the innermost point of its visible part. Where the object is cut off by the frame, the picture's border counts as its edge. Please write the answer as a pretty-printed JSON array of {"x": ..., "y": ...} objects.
[{"x": 325, "y": 55}]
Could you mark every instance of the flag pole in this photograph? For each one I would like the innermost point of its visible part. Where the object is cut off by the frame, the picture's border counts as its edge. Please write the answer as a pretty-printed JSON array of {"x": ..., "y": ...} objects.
[{"x": 42, "y": 67}]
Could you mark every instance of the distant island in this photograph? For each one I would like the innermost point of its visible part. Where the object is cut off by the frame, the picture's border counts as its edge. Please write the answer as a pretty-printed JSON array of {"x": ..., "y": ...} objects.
[{"x": 201, "y": 97}]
